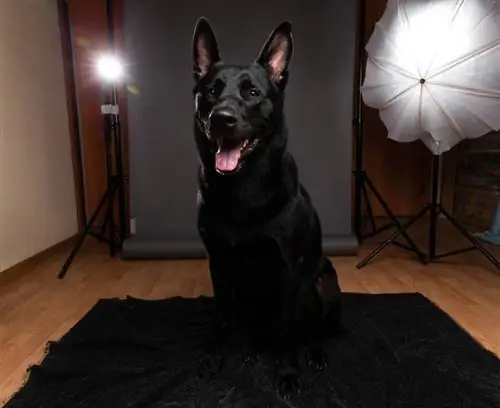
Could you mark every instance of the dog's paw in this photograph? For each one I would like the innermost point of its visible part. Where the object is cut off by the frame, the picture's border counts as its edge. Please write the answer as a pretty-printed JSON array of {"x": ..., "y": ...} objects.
[
  {"x": 289, "y": 385},
  {"x": 251, "y": 356},
  {"x": 317, "y": 358},
  {"x": 210, "y": 365}
]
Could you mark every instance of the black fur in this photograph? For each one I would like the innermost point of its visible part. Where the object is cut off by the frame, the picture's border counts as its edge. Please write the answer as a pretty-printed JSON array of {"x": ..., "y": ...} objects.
[{"x": 258, "y": 224}]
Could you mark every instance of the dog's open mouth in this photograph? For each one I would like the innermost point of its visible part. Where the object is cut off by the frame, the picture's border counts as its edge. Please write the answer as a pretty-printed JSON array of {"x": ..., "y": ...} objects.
[{"x": 230, "y": 154}]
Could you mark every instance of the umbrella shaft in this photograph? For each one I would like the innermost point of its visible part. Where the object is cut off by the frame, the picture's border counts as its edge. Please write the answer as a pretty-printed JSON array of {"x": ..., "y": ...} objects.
[
  {"x": 436, "y": 187},
  {"x": 436, "y": 179}
]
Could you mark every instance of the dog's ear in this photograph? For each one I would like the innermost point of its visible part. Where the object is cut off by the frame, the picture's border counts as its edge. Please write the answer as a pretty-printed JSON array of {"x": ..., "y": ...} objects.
[
  {"x": 205, "y": 49},
  {"x": 277, "y": 52}
]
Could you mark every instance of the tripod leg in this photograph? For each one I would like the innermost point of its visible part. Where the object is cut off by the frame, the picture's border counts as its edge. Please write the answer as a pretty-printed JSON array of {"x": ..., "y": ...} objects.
[
  {"x": 369, "y": 208},
  {"x": 471, "y": 238},
  {"x": 79, "y": 243},
  {"x": 400, "y": 228},
  {"x": 359, "y": 182},
  {"x": 399, "y": 231},
  {"x": 111, "y": 220},
  {"x": 103, "y": 230},
  {"x": 120, "y": 176},
  {"x": 111, "y": 179},
  {"x": 433, "y": 231},
  {"x": 359, "y": 174}
]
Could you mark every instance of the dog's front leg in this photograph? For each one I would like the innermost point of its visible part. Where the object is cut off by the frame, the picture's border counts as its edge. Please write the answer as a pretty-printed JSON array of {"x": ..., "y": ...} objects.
[
  {"x": 289, "y": 382},
  {"x": 324, "y": 298},
  {"x": 222, "y": 322}
]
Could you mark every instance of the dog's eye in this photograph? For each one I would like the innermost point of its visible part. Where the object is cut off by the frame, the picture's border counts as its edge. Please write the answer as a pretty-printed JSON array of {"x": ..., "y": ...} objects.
[
  {"x": 254, "y": 92},
  {"x": 211, "y": 91}
]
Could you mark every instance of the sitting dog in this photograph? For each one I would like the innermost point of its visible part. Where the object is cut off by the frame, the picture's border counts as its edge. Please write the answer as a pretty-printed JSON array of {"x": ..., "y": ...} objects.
[{"x": 257, "y": 222}]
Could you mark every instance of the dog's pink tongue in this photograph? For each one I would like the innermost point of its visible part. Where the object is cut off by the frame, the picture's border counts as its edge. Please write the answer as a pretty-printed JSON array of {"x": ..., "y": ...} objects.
[{"x": 227, "y": 157}]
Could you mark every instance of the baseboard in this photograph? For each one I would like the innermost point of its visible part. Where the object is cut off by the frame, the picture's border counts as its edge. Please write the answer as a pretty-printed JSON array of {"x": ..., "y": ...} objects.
[
  {"x": 136, "y": 248},
  {"x": 139, "y": 248},
  {"x": 340, "y": 245},
  {"x": 29, "y": 264}
]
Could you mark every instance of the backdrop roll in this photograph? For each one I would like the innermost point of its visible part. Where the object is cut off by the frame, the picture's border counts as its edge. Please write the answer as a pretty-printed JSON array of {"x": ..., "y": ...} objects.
[{"x": 319, "y": 104}]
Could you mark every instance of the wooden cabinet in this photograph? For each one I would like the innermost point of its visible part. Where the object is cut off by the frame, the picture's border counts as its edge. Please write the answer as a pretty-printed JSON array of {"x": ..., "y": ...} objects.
[{"x": 477, "y": 185}]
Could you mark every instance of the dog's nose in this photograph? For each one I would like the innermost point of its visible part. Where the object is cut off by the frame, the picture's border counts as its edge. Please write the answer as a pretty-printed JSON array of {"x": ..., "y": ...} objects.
[{"x": 223, "y": 118}]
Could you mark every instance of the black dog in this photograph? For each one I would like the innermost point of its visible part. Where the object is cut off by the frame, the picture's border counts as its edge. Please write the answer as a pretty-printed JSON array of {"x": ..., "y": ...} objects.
[{"x": 260, "y": 229}]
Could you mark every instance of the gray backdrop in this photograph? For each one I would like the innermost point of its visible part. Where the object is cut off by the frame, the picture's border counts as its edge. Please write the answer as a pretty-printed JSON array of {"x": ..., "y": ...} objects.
[{"x": 163, "y": 159}]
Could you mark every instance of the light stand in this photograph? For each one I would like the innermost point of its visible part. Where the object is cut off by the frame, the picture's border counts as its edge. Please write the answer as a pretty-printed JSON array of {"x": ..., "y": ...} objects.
[
  {"x": 115, "y": 178},
  {"x": 362, "y": 181},
  {"x": 435, "y": 208}
]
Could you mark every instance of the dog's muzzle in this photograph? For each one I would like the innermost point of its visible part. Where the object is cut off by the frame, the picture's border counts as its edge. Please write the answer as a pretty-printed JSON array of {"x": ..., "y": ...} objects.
[{"x": 222, "y": 121}]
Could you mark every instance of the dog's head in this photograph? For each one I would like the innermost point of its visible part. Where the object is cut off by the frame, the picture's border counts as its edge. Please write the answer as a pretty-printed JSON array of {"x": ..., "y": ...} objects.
[{"x": 239, "y": 107}]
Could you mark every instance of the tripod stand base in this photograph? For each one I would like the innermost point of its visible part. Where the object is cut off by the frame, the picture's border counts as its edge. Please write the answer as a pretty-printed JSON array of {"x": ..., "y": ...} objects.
[
  {"x": 435, "y": 210},
  {"x": 107, "y": 197},
  {"x": 365, "y": 184}
]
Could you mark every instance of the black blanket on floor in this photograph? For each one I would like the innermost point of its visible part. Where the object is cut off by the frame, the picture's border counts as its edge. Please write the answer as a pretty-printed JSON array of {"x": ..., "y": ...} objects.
[{"x": 399, "y": 351}]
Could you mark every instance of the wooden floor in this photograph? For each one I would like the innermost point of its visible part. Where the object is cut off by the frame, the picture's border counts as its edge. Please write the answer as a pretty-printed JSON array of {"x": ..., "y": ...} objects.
[{"x": 36, "y": 307}]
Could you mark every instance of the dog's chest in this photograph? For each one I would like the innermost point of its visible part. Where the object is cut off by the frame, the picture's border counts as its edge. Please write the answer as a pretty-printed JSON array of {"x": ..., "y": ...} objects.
[
  {"x": 254, "y": 257},
  {"x": 257, "y": 272}
]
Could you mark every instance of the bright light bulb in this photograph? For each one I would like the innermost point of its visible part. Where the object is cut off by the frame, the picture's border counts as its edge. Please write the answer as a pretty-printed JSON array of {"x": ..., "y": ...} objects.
[{"x": 110, "y": 68}]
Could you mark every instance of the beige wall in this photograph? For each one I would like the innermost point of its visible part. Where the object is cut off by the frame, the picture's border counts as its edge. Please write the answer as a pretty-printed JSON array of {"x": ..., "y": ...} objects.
[{"x": 37, "y": 197}]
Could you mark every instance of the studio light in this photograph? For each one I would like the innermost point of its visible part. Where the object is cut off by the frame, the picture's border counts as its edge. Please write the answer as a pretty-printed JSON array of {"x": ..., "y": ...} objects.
[
  {"x": 433, "y": 74},
  {"x": 110, "y": 72},
  {"x": 110, "y": 68}
]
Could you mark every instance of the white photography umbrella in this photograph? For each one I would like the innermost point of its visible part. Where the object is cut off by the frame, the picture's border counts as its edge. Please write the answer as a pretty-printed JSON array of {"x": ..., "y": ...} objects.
[{"x": 433, "y": 70}]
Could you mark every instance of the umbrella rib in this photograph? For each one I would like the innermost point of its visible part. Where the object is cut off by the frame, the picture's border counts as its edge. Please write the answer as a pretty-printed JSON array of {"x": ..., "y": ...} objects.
[
  {"x": 406, "y": 21},
  {"x": 391, "y": 68},
  {"x": 458, "y": 7},
  {"x": 478, "y": 118},
  {"x": 398, "y": 96},
  {"x": 388, "y": 38},
  {"x": 475, "y": 93},
  {"x": 466, "y": 58},
  {"x": 493, "y": 5},
  {"x": 471, "y": 91},
  {"x": 390, "y": 41},
  {"x": 454, "y": 125},
  {"x": 402, "y": 114}
]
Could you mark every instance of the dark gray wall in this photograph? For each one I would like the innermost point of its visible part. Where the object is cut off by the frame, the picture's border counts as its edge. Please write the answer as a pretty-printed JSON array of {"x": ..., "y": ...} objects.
[{"x": 319, "y": 107}]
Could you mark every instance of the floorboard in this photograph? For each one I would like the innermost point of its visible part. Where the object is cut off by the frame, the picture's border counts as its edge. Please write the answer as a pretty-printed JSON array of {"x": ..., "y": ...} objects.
[{"x": 36, "y": 307}]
